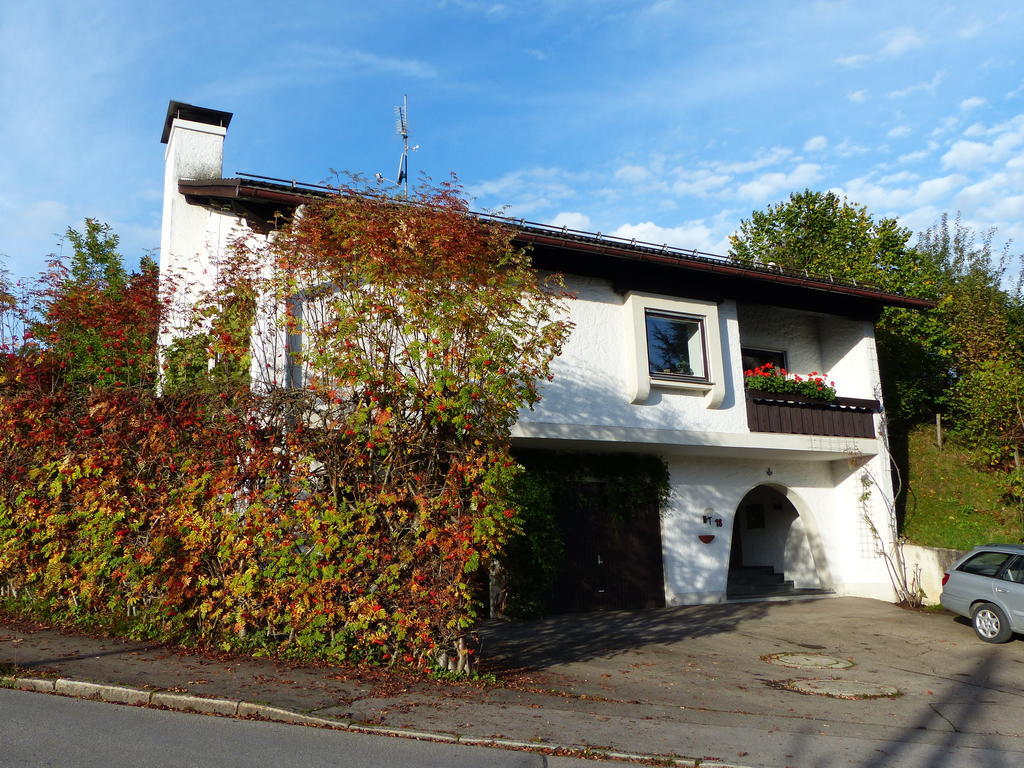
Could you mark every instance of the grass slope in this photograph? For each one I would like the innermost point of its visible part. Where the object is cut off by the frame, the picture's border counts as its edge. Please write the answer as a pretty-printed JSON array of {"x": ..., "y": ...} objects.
[{"x": 951, "y": 502}]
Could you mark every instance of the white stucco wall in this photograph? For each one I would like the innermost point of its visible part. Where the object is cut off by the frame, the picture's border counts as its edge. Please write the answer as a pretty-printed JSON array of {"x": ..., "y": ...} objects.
[
  {"x": 827, "y": 495},
  {"x": 592, "y": 383},
  {"x": 840, "y": 347},
  {"x": 592, "y": 386}
]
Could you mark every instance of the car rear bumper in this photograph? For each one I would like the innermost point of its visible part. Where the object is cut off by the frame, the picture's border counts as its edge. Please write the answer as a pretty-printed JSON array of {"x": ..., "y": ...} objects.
[{"x": 956, "y": 604}]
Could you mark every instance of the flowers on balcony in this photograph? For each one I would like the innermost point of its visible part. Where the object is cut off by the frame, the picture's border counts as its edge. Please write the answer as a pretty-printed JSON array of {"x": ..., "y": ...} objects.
[{"x": 770, "y": 378}]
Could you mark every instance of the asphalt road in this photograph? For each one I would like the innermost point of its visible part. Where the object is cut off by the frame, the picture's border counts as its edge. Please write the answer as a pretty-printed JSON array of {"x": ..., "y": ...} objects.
[{"x": 39, "y": 730}]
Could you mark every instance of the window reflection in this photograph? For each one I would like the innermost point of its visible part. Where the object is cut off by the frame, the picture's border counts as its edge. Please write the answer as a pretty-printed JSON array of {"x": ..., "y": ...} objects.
[{"x": 675, "y": 346}]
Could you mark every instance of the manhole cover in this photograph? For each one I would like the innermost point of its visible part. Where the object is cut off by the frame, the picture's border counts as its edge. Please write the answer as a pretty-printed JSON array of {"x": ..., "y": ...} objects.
[
  {"x": 803, "y": 660},
  {"x": 843, "y": 689}
]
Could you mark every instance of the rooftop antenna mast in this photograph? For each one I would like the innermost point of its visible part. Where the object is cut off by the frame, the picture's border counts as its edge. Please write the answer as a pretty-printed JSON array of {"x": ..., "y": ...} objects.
[{"x": 402, "y": 129}]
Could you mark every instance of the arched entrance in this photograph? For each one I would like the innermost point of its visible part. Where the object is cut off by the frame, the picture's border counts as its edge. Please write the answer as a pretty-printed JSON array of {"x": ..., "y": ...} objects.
[{"x": 773, "y": 552}]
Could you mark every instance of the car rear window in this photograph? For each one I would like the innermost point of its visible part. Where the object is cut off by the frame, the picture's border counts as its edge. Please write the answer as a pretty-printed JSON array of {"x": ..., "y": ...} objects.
[{"x": 985, "y": 563}]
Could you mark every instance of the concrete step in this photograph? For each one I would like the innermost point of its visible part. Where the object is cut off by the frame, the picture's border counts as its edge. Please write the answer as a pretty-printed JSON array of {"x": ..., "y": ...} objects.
[{"x": 762, "y": 581}]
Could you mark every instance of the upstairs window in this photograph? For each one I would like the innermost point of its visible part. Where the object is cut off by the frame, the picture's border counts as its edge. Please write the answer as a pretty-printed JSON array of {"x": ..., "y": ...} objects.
[
  {"x": 755, "y": 358},
  {"x": 676, "y": 347}
]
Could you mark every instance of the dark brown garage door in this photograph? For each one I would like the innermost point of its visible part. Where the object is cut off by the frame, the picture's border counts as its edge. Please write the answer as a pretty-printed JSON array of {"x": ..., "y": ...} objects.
[{"x": 612, "y": 555}]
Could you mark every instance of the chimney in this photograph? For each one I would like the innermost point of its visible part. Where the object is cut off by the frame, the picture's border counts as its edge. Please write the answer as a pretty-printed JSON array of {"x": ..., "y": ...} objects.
[
  {"x": 195, "y": 141},
  {"x": 195, "y": 150}
]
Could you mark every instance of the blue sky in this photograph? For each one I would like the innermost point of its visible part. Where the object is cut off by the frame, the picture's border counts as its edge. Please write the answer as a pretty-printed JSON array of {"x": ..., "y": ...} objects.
[{"x": 665, "y": 120}]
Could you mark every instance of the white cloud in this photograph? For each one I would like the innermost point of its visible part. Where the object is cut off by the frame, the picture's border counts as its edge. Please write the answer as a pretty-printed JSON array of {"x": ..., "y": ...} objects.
[
  {"x": 899, "y": 41},
  {"x": 858, "y": 97},
  {"x": 1011, "y": 208},
  {"x": 767, "y": 185},
  {"x": 898, "y": 178},
  {"x": 946, "y": 125},
  {"x": 526, "y": 191},
  {"x": 661, "y": 6},
  {"x": 972, "y": 103},
  {"x": 854, "y": 61},
  {"x": 815, "y": 144},
  {"x": 681, "y": 181},
  {"x": 633, "y": 174},
  {"x": 899, "y": 131},
  {"x": 896, "y": 42},
  {"x": 971, "y": 30},
  {"x": 934, "y": 190},
  {"x": 308, "y": 63},
  {"x": 984, "y": 193},
  {"x": 572, "y": 220},
  {"x": 927, "y": 86},
  {"x": 700, "y": 183},
  {"x": 913, "y": 157},
  {"x": 691, "y": 234},
  {"x": 884, "y": 196},
  {"x": 847, "y": 148},
  {"x": 762, "y": 159},
  {"x": 536, "y": 53},
  {"x": 965, "y": 155},
  {"x": 475, "y": 6}
]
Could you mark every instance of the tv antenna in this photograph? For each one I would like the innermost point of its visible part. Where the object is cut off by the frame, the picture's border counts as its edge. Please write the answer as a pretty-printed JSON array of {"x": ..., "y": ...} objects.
[{"x": 402, "y": 129}]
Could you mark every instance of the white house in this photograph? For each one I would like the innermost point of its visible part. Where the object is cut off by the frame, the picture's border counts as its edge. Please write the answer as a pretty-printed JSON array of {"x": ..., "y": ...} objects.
[{"x": 762, "y": 487}]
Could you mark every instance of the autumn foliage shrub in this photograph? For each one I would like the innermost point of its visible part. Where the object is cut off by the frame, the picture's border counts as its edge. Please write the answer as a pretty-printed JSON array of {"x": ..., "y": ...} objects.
[{"x": 337, "y": 500}]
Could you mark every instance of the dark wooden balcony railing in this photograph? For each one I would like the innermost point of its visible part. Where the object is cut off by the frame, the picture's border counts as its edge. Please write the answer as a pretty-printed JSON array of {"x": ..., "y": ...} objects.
[{"x": 800, "y": 415}]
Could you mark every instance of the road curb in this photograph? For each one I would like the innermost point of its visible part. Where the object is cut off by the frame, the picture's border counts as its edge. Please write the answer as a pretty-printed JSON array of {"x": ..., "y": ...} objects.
[{"x": 182, "y": 702}]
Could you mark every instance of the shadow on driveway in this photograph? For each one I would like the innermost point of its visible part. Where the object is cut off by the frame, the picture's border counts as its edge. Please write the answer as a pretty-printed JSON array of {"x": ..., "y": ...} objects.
[{"x": 579, "y": 637}]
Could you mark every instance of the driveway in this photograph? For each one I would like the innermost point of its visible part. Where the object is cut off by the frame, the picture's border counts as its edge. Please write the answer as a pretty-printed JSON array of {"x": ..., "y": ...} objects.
[{"x": 696, "y": 681}]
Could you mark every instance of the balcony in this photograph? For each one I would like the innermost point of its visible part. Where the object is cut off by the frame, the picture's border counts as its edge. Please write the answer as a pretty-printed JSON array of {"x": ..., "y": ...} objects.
[{"x": 800, "y": 415}]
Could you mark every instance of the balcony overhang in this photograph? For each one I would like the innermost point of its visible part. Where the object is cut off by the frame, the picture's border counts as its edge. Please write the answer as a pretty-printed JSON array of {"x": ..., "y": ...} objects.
[{"x": 670, "y": 442}]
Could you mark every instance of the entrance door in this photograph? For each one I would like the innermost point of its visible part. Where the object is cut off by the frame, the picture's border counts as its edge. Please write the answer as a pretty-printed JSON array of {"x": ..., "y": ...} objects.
[{"x": 770, "y": 553}]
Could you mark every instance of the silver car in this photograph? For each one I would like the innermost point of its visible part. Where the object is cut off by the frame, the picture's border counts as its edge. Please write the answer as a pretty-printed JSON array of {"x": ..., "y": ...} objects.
[{"x": 987, "y": 586}]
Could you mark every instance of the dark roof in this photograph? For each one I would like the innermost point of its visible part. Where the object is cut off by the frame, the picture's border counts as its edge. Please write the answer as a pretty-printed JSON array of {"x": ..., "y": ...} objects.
[
  {"x": 629, "y": 264},
  {"x": 196, "y": 114}
]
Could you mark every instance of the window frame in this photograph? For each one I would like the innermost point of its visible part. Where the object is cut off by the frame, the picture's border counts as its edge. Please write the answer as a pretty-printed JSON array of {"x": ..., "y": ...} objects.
[
  {"x": 699, "y": 320},
  {"x": 635, "y": 308},
  {"x": 751, "y": 351}
]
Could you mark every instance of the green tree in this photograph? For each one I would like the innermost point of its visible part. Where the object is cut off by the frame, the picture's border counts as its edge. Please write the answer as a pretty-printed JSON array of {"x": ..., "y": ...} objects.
[
  {"x": 826, "y": 235},
  {"x": 94, "y": 322},
  {"x": 982, "y": 312},
  {"x": 95, "y": 259}
]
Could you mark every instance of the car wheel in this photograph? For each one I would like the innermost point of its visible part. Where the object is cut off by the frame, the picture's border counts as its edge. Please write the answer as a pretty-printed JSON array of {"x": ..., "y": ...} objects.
[{"x": 990, "y": 623}]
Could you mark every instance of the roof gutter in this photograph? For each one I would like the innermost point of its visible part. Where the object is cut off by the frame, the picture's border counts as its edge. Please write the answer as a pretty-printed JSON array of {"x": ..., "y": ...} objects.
[{"x": 725, "y": 268}]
